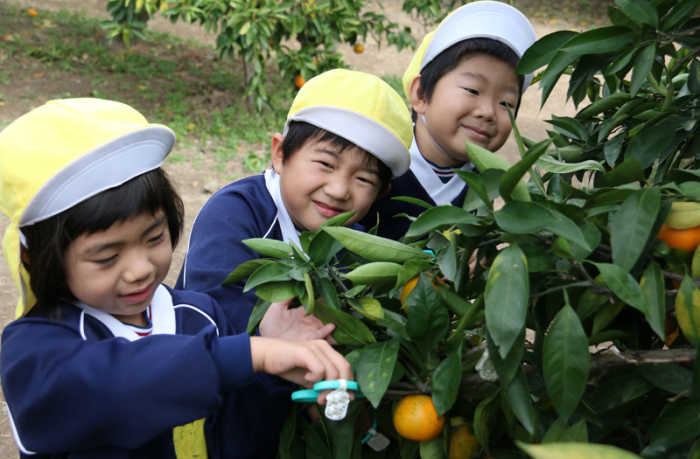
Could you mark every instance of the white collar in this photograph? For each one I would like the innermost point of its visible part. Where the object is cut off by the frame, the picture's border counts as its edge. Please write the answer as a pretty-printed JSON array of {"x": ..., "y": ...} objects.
[
  {"x": 162, "y": 316},
  {"x": 441, "y": 193},
  {"x": 289, "y": 232}
]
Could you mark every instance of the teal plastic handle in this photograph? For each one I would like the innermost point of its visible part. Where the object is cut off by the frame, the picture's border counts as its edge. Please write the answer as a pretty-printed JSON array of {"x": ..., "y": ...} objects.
[{"x": 310, "y": 395}]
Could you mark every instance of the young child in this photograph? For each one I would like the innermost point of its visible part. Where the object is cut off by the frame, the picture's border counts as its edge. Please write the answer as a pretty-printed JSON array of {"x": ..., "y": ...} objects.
[
  {"x": 107, "y": 362},
  {"x": 459, "y": 83},
  {"x": 347, "y": 135}
]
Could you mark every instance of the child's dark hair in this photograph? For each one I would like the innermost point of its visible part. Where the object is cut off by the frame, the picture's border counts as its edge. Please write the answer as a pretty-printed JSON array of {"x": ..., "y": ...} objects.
[
  {"x": 453, "y": 56},
  {"x": 48, "y": 240},
  {"x": 300, "y": 132}
]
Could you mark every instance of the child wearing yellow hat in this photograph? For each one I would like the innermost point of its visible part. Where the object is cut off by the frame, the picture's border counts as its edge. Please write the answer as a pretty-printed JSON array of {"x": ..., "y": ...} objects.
[
  {"x": 347, "y": 135},
  {"x": 105, "y": 361},
  {"x": 460, "y": 83}
]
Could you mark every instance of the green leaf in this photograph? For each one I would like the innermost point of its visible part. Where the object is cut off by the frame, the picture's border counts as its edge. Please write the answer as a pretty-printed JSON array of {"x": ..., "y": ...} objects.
[
  {"x": 271, "y": 272},
  {"x": 485, "y": 160},
  {"x": 455, "y": 302},
  {"x": 518, "y": 395},
  {"x": 643, "y": 11},
  {"x": 575, "y": 451},
  {"x": 551, "y": 164},
  {"x": 506, "y": 367},
  {"x": 316, "y": 448},
  {"x": 269, "y": 247},
  {"x": 476, "y": 184},
  {"x": 681, "y": 12},
  {"x": 605, "y": 315},
  {"x": 628, "y": 171},
  {"x": 380, "y": 272},
  {"x": 374, "y": 248},
  {"x": 554, "y": 70},
  {"x": 256, "y": 316},
  {"x": 567, "y": 229},
  {"x": 323, "y": 248},
  {"x": 541, "y": 52},
  {"x": 669, "y": 377},
  {"x": 514, "y": 175},
  {"x": 486, "y": 409},
  {"x": 677, "y": 423},
  {"x": 507, "y": 293},
  {"x": 619, "y": 389},
  {"x": 349, "y": 331},
  {"x": 604, "y": 104},
  {"x": 445, "y": 384},
  {"x": 289, "y": 441},
  {"x": 521, "y": 217},
  {"x": 245, "y": 269},
  {"x": 327, "y": 291},
  {"x": 653, "y": 289},
  {"x": 439, "y": 217},
  {"x": 338, "y": 220},
  {"x": 613, "y": 148},
  {"x": 623, "y": 285},
  {"x": 688, "y": 310},
  {"x": 642, "y": 67},
  {"x": 375, "y": 367},
  {"x": 631, "y": 226},
  {"x": 432, "y": 449},
  {"x": 599, "y": 41},
  {"x": 566, "y": 361},
  {"x": 647, "y": 145},
  {"x": 368, "y": 307},
  {"x": 279, "y": 291},
  {"x": 428, "y": 319}
]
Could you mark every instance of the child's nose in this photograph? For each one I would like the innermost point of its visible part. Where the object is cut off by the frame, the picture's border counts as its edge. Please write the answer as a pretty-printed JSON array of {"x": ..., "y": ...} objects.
[
  {"x": 139, "y": 268},
  {"x": 337, "y": 189},
  {"x": 486, "y": 110}
]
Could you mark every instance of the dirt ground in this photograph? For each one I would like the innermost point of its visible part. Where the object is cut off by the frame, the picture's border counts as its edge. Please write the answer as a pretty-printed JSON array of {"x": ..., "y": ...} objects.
[{"x": 380, "y": 61}]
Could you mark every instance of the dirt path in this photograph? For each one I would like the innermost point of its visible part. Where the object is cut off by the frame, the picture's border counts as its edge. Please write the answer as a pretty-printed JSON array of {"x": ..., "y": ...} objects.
[{"x": 379, "y": 61}]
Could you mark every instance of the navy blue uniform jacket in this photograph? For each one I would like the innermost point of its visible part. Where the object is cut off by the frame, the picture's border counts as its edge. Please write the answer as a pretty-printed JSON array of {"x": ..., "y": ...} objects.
[{"x": 76, "y": 391}]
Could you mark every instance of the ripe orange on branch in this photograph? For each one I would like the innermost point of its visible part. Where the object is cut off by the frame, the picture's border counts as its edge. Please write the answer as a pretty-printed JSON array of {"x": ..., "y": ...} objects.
[
  {"x": 299, "y": 81},
  {"x": 415, "y": 418},
  {"x": 463, "y": 444},
  {"x": 32, "y": 12},
  {"x": 359, "y": 49},
  {"x": 686, "y": 239}
]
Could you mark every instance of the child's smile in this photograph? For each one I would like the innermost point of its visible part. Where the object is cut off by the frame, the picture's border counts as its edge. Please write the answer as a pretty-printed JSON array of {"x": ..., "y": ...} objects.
[
  {"x": 119, "y": 269},
  {"x": 319, "y": 182}
]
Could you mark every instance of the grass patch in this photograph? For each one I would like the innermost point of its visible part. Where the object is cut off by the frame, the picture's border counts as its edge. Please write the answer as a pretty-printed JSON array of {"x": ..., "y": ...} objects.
[{"x": 178, "y": 83}]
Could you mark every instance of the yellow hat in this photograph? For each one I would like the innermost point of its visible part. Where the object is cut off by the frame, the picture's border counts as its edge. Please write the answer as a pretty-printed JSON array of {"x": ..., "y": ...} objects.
[
  {"x": 63, "y": 153},
  {"x": 494, "y": 20},
  {"x": 360, "y": 108}
]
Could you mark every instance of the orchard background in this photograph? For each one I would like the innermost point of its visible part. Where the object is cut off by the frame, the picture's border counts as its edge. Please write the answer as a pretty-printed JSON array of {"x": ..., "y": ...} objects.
[{"x": 177, "y": 79}]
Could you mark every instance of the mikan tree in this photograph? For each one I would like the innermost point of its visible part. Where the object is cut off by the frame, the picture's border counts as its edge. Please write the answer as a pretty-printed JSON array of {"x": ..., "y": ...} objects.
[
  {"x": 301, "y": 37},
  {"x": 572, "y": 260}
]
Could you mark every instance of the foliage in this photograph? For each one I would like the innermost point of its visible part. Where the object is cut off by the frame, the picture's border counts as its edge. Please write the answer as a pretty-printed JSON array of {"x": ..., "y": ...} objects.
[
  {"x": 300, "y": 36},
  {"x": 572, "y": 262}
]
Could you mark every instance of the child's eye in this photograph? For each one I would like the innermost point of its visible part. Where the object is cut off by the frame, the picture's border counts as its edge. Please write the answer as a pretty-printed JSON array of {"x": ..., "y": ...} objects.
[
  {"x": 366, "y": 180},
  {"x": 158, "y": 238},
  {"x": 106, "y": 261},
  {"x": 508, "y": 104},
  {"x": 472, "y": 91}
]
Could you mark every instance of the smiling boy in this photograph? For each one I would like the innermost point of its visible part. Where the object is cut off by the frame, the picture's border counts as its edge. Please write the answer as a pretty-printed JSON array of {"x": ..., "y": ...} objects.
[
  {"x": 347, "y": 135},
  {"x": 460, "y": 83}
]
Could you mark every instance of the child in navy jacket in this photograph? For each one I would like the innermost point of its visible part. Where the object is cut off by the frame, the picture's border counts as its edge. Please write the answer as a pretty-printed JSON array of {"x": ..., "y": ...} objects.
[
  {"x": 105, "y": 361},
  {"x": 460, "y": 82}
]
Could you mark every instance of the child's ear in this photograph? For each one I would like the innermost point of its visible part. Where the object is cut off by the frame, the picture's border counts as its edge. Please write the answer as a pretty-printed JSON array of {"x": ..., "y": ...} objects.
[
  {"x": 24, "y": 255},
  {"x": 276, "y": 152},
  {"x": 383, "y": 191},
  {"x": 417, "y": 102}
]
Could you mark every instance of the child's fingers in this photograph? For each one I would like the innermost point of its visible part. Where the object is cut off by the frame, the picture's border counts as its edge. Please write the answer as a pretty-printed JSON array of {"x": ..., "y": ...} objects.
[
  {"x": 324, "y": 333},
  {"x": 278, "y": 308}
]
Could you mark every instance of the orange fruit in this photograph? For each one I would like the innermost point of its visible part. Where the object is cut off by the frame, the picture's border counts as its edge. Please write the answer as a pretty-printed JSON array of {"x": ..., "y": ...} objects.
[
  {"x": 359, "y": 49},
  {"x": 671, "y": 330},
  {"x": 686, "y": 239},
  {"x": 32, "y": 12},
  {"x": 415, "y": 418},
  {"x": 312, "y": 15},
  {"x": 463, "y": 444},
  {"x": 408, "y": 288},
  {"x": 299, "y": 81},
  {"x": 272, "y": 42}
]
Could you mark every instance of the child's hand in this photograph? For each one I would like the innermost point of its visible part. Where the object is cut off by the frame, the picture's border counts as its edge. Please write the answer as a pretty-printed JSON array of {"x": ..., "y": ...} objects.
[
  {"x": 284, "y": 323},
  {"x": 302, "y": 362}
]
